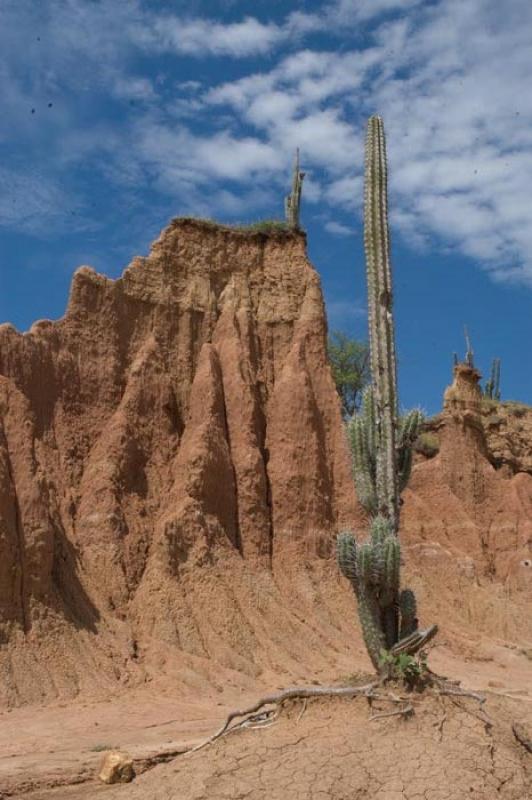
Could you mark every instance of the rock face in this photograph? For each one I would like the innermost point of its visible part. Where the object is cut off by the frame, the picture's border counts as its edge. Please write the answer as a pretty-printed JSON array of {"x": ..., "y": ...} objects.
[
  {"x": 469, "y": 525},
  {"x": 495, "y": 502},
  {"x": 173, "y": 470},
  {"x": 508, "y": 428},
  {"x": 177, "y": 418}
]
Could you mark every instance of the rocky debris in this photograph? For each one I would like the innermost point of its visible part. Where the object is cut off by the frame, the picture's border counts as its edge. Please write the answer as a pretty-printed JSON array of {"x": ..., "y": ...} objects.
[
  {"x": 116, "y": 767},
  {"x": 508, "y": 428}
]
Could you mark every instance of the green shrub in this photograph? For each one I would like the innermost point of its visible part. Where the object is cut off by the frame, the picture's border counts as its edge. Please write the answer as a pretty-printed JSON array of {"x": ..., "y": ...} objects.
[
  {"x": 427, "y": 444},
  {"x": 410, "y": 669},
  {"x": 349, "y": 361}
]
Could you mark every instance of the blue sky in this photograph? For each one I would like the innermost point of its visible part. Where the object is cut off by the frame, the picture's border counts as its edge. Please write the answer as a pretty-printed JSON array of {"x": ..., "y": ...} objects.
[{"x": 119, "y": 114}]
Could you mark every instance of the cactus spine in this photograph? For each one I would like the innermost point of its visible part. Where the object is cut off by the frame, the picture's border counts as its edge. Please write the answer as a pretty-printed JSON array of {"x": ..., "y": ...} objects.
[
  {"x": 381, "y": 444},
  {"x": 293, "y": 200}
]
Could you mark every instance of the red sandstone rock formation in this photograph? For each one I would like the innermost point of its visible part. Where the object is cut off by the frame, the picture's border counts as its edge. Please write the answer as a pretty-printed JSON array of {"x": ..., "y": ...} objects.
[
  {"x": 476, "y": 508},
  {"x": 173, "y": 470},
  {"x": 178, "y": 417},
  {"x": 469, "y": 525}
]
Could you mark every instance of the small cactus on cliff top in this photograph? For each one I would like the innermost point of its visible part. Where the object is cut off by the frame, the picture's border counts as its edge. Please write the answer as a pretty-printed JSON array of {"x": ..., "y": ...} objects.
[
  {"x": 469, "y": 356},
  {"x": 381, "y": 446},
  {"x": 492, "y": 389},
  {"x": 293, "y": 200}
]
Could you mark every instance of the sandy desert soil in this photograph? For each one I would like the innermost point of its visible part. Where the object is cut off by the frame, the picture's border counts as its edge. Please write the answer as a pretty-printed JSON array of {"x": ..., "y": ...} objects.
[
  {"x": 55, "y": 751},
  {"x": 328, "y": 749}
]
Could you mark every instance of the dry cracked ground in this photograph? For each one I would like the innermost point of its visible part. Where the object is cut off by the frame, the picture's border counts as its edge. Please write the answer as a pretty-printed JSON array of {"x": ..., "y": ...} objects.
[{"x": 329, "y": 750}]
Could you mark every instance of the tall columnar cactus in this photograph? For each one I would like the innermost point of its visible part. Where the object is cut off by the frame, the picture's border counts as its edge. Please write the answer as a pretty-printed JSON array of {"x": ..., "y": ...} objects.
[
  {"x": 293, "y": 200},
  {"x": 381, "y": 329},
  {"x": 381, "y": 444}
]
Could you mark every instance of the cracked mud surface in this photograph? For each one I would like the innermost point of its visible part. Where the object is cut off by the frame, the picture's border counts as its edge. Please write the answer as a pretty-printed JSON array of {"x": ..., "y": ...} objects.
[{"x": 328, "y": 751}]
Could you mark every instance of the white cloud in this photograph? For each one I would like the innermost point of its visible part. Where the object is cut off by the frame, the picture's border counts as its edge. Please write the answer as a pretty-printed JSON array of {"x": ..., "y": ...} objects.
[
  {"x": 461, "y": 157},
  {"x": 337, "y": 229},
  {"x": 203, "y": 36},
  {"x": 131, "y": 88},
  {"x": 346, "y": 192},
  {"x": 346, "y": 11},
  {"x": 200, "y": 37},
  {"x": 203, "y": 158},
  {"x": 451, "y": 79},
  {"x": 452, "y": 82}
]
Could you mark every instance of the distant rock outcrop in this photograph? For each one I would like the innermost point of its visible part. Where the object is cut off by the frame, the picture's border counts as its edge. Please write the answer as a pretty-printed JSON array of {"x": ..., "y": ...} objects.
[{"x": 461, "y": 503}]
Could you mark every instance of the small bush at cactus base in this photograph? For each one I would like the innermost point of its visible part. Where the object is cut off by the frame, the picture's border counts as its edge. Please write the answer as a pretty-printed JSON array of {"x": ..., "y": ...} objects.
[
  {"x": 427, "y": 444},
  {"x": 411, "y": 670}
]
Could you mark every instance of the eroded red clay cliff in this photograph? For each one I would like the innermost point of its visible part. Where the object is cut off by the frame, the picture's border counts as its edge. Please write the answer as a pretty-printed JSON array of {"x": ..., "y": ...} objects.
[
  {"x": 173, "y": 469},
  {"x": 176, "y": 419}
]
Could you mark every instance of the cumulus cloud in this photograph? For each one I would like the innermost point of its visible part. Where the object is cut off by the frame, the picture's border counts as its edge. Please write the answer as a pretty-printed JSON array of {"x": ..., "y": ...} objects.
[
  {"x": 202, "y": 158},
  {"x": 337, "y": 229},
  {"x": 131, "y": 88},
  {"x": 451, "y": 80},
  {"x": 200, "y": 37},
  {"x": 452, "y": 84}
]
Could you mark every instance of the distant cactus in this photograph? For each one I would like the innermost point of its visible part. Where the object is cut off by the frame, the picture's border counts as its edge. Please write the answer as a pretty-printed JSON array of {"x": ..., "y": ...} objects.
[
  {"x": 381, "y": 445},
  {"x": 469, "y": 357},
  {"x": 409, "y": 428},
  {"x": 293, "y": 200},
  {"x": 492, "y": 389}
]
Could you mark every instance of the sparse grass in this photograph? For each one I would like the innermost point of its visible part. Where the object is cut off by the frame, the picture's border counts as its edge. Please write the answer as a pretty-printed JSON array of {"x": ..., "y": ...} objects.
[
  {"x": 488, "y": 405},
  {"x": 427, "y": 444},
  {"x": 513, "y": 407},
  {"x": 100, "y": 748},
  {"x": 200, "y": 220},
  {"x": 267, "y": 226}
]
